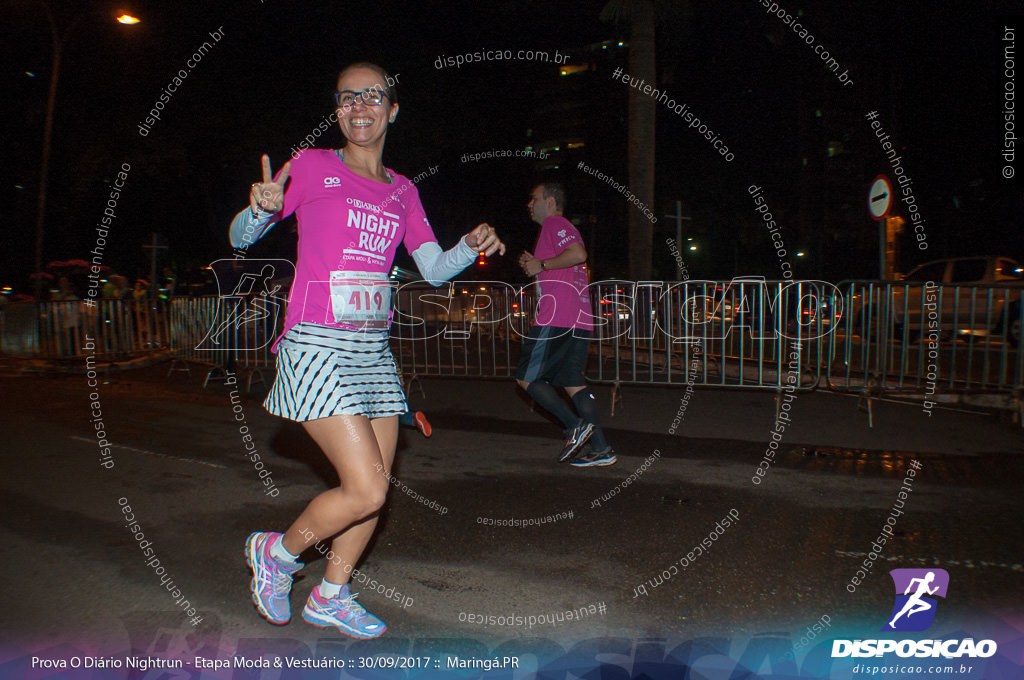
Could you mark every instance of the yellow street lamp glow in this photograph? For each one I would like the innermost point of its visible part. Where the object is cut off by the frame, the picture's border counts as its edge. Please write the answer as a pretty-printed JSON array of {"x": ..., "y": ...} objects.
[{"x": 128, "y": 19}]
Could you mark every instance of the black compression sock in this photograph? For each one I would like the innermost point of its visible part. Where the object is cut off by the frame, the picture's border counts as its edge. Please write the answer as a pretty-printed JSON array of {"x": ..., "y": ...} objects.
[
  {"x": 586, "y": 405},
  {"x": 546, "y": 396}
]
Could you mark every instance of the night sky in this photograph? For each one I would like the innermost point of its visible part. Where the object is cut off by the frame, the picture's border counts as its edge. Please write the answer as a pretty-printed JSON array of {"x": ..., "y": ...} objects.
[{"x": 933, "y": 71}]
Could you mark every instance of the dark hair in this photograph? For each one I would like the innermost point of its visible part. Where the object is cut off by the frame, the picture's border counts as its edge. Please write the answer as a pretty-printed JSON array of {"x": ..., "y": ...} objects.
[
  {"x": 389, "y": 89},
  {"x": 556, "y": 191}
]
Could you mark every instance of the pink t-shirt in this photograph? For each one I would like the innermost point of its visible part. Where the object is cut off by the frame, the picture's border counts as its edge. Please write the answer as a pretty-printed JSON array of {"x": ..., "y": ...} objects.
[
  {"x": 564, "y": 301},
  {"x": 346, "y": 223}
]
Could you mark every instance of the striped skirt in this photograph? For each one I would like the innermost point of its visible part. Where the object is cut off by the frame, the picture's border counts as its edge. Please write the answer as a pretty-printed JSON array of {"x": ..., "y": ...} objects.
[{"x": 323, "y": 371}]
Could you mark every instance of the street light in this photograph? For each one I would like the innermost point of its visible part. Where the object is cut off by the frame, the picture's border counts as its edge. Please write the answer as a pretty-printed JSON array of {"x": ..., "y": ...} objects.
[{"x": 59, "y": 42}]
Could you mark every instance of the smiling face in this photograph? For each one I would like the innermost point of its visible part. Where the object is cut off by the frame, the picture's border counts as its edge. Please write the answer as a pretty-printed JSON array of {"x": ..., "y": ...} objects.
[{"x": 361, "y": 123}]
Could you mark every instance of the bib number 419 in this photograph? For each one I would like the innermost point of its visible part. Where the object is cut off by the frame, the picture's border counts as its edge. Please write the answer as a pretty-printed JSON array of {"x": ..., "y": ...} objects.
[{"x": 361, "y": 299}]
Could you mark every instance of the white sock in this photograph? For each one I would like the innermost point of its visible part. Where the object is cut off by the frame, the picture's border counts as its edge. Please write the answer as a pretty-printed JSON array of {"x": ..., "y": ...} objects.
[
  {"x": 278, "y": 552},
  {"x": 330, "y": 590}
]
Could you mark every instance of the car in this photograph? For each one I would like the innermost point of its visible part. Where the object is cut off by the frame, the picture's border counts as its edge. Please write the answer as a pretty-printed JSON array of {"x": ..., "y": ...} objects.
[{"x": 973, "y": 296}]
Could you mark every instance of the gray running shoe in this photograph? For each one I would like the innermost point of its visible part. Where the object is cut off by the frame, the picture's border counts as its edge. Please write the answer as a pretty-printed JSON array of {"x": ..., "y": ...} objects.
[{"x": 575, "y": 438}]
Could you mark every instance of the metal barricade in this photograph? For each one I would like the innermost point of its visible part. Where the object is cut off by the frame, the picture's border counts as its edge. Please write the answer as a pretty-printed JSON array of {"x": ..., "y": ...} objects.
[
  {"x": 105, "y": 329},
  {"x": 225, "y": 334},
  {"x": 742, "y": 333},
  {"x": 465, "y": 329},
  {"x": 747, "y": 333},
  {"x": 190, "y": 321},
  {"x": 924, "y": 338},
  {"x": 19, "y": 329},
  {"x": 860, "y": 336}
]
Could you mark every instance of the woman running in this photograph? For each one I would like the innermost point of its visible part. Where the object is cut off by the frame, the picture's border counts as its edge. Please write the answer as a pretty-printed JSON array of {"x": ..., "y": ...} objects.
[{"x": 335, "y": 371}]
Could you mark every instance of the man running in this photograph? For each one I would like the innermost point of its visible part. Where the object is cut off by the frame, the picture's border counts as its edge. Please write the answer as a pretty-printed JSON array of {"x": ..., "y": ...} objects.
[{"x": 556, "y": 348}]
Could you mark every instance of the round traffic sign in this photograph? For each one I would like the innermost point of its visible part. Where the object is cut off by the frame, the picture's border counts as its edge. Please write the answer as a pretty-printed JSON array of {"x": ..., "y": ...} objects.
[{"x": 880, "y": 197}]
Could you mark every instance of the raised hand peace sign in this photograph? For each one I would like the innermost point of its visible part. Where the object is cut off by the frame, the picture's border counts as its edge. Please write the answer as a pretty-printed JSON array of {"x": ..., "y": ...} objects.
[{"x": 268, "y": 195}]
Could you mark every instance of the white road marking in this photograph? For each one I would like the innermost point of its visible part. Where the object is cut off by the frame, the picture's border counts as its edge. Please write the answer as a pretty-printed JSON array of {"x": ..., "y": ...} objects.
[{"x": 154, "y": 453}]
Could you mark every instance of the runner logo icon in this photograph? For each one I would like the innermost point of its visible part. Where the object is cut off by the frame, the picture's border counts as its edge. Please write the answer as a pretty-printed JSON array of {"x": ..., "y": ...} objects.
[{"x": 914, "y": 609}]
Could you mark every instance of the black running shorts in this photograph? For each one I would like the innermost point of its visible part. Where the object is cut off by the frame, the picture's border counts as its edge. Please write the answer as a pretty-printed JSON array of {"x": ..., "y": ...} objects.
[{"x": 557, "y": 355}]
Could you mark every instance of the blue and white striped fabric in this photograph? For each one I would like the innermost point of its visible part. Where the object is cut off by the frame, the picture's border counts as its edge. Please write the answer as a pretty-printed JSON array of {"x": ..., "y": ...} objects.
[{"x": 323, "y": 371}]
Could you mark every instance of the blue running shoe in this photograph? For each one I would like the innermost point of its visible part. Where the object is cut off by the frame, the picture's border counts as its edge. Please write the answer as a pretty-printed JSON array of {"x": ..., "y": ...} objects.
[
  {"x": 271, "y": 579},
  {"x": 344, "y": 613},
  {"x": 595, "y": 458}
]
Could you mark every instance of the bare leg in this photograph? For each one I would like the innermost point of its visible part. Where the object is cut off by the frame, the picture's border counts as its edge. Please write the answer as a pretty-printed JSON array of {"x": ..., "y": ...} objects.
[
  {"x": 359, "y": 451},
  {"x": 350, "y": 545}
]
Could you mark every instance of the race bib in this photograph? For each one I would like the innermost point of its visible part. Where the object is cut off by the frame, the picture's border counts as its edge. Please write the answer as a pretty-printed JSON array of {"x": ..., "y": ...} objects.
[{"x": 361, "y": 299}]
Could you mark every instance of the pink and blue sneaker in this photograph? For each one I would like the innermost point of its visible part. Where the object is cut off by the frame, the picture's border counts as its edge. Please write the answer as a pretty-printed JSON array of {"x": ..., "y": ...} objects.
[
  {"x": 271, "y": 579},
  {"x": 344, "y": 613}
]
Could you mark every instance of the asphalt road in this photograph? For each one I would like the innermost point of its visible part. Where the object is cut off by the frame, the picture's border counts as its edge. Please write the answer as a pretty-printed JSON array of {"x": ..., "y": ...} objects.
[{"x": 73, "y": 573}]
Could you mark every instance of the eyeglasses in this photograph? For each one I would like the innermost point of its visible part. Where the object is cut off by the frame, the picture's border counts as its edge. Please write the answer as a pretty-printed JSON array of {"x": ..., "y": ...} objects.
[{"x": 371, "y": 96}]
